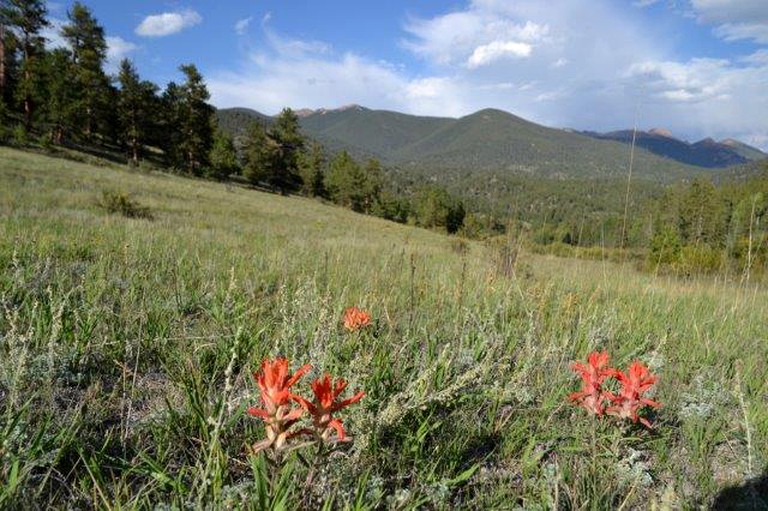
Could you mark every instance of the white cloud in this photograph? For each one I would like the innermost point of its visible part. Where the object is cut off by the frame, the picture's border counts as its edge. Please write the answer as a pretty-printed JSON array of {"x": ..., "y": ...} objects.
[
  {"x": 167, "y": 23},
  {"x": 117, "y": 49},
  {"x": 735, "y": 19},
  {"x": 241, "y": 27},
  {"x": 726, "y": 11},
  {"x": 487, "y": 53},
  {"x": 744, "y": 31},
  {"x": 697, "y": 80},
  {"x": 472, "y": 37}
]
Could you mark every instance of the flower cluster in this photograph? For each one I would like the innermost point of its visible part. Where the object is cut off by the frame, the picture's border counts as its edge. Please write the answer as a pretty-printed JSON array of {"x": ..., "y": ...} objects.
[
  {"x": 280, "y": 411},
  {"x": 355, "y": 319},
  {"x": 595, "y": 398}
]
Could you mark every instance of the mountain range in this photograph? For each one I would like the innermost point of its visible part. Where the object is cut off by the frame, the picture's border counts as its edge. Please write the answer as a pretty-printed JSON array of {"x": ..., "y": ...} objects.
[
  {"x": 706, "y": 153},
  {"x": 494, "y": 142}
]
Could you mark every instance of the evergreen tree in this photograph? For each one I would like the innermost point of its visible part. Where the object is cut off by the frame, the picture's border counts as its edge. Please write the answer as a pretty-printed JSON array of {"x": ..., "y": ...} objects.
[
  {"x": 89, "y": 51},
  {"x": 435, "y": 207},
  {"x": 346, "y": 182},
  {"x": 372, "y": 185},
  {"x": 61, "y": 95},
  {"x": 312, "y": 170},
  {"x": 259, "y": 154},
  {"x": 135, "y": 103},
  {"x": 701, "y": 214},
  {"x": 286, "y": 133},
  {"x": 25, "y": 19},
  {"x": 168, "y": 137},
  {"x": 194, "y": 124},
  {"x": 223, "y": 157}
]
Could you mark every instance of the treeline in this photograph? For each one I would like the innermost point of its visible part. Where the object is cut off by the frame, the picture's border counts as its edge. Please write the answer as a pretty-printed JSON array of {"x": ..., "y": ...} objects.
[
  {"x": 64, "y": 98},
  {"x": 700, "y": 227},
  {"x": 689, "y": 228}
]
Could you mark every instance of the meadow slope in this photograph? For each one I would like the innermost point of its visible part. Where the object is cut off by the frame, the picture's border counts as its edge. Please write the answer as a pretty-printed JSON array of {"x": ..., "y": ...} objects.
[{"x": 127, "y": 347}]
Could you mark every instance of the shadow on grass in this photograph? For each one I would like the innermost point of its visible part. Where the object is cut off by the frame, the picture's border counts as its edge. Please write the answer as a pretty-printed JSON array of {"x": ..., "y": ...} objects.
[{"x": 750, "y": 496}]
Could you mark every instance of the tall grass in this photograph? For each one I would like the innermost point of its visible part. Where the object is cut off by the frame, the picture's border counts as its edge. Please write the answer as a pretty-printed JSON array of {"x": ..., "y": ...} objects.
[{"x": 127, "y": 347}]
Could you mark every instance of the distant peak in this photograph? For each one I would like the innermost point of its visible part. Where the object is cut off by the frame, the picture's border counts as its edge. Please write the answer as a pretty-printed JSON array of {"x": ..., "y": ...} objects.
[
  {"x": 351, "y": 106},
  {"x": 662, "y": 132},
  {"x": 306, "y": 112}
]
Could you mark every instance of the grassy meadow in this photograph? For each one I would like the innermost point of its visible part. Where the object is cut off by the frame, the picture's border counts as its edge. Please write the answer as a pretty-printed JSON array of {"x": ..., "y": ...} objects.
[{"x": 127, "y": 347}]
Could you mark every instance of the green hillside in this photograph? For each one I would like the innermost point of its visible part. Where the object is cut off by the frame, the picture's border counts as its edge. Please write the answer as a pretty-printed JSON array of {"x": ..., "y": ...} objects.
[
  {"x": 129, "y": 345},
  {"x": 486, "y": 143},
  {"x": 379, "y": 132}
]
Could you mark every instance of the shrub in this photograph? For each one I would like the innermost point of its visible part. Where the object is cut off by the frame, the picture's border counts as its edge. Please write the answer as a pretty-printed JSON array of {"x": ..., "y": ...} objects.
[{"x": 118, "y": 202}]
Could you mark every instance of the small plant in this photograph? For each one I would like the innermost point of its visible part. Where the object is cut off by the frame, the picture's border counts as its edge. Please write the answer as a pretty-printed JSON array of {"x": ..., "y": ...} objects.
[
  {"x": 596, "y": 399},
  {"x": 355, "y": 319},
  {"x": 280, "y": 416},
  {"x": 117, "y": 202}
]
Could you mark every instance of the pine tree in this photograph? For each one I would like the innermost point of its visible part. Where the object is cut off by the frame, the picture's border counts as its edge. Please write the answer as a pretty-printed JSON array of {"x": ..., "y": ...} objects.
[
  {"x": 223, "y": 156},
  {"x": 61, "y": 95},
  {"x": 260, "y": 154},
  {"x": 346, "y": 182},
  {"x": 26, "y": 19},
  {"x": 194, "y": 121},
  {"x": 286, "y": 133},
  {"x": 312, "y": 170},
  {"x": 168, "y": 136},
  {"x": 89, "y": 51},
  {"x": 136, "y": 100}
]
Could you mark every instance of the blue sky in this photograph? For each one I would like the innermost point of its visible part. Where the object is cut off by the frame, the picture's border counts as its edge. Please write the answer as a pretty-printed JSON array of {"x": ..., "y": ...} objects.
[{"x": 696, "y": 67}]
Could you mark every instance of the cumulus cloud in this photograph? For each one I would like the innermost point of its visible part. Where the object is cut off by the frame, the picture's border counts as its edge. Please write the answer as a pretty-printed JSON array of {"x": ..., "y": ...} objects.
[
  {"x": 487, "y": 53},
  {"x": 167, "y": 23}
]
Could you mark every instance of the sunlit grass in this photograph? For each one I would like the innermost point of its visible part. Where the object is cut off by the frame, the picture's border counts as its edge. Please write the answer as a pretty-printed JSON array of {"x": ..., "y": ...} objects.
[{"x": 116, "y": 334}]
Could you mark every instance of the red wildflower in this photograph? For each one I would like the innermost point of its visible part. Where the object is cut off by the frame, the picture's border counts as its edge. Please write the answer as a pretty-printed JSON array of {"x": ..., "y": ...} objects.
[
  {"x": 593, "y": 374},
  {"x": 636, "y": 382},
  {"x": 278, "y": 412},
  {"x": 355, "y": 319},
  {"x": 325, "y": 405}
]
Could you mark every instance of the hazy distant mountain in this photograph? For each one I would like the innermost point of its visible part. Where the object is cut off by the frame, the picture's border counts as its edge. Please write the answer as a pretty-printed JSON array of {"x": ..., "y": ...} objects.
[
  {"x": 491, "y": 142},
  {"x": 705, "y": 153}
]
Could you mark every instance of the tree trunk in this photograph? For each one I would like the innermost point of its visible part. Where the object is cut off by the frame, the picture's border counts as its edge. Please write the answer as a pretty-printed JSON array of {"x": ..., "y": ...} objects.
[
  {"x": 135, "y": 151},
  {"x": 2, "y": 61}
]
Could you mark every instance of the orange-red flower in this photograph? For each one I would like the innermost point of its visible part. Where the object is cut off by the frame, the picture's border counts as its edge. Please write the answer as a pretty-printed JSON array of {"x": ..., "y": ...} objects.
[
  {"x": 355, "y": 319},
  {"x": 278, "y": 412},
  {"x": 326, "y": 403},
  {"x": 593, "y": 374},
  {"x": 636, "y": 382}
]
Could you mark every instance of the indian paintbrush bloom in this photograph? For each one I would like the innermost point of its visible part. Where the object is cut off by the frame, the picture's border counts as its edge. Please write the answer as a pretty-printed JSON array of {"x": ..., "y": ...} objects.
[
  {"x": 624, "y": 405},
  {"x": 326, "y": 403},
  {"x": 355, "y": 319},
  {"x": 593, "y": 374},
  {"x": 636, "y": 382},
  {"x": 278, "y": 412}
]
